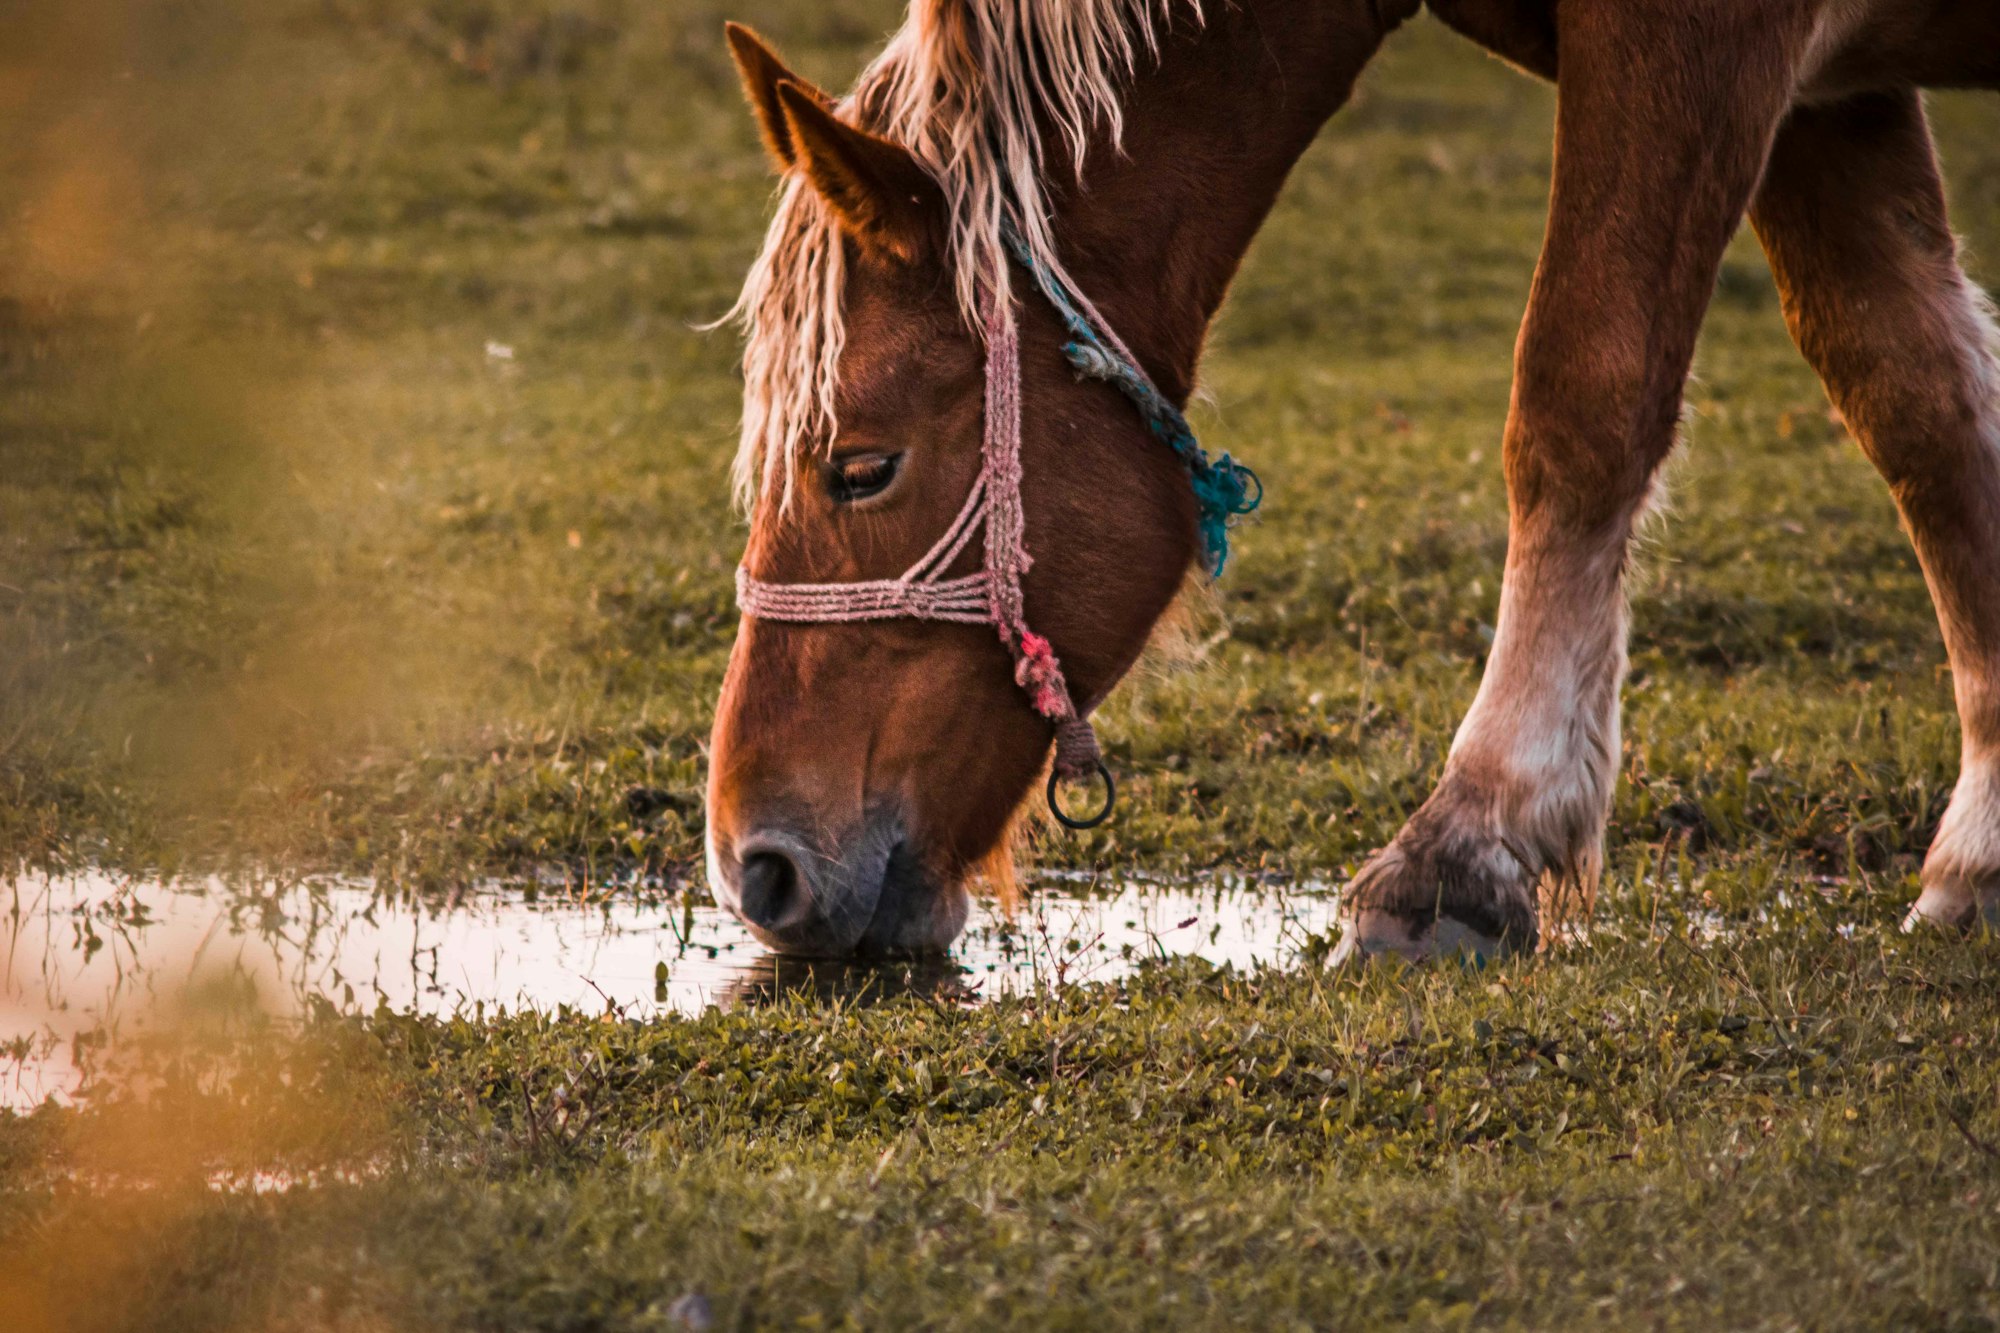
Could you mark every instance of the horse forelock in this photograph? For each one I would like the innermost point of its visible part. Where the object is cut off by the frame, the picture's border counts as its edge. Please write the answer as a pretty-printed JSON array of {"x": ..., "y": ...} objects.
[{"x": 966, "y": 86}]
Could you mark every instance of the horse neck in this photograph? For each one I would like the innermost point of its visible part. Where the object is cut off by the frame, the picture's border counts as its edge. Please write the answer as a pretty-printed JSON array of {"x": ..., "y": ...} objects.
[{"x": 1155, "y": 229}]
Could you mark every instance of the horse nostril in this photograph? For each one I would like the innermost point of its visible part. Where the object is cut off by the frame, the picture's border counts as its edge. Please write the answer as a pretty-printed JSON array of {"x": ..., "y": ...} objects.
[{"x": 769, "y": 889}]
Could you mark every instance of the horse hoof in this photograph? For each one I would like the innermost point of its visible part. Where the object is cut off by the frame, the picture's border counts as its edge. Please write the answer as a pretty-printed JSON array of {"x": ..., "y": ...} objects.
[
  {"x": 1442, "y": 888},
  {"x": 1953, "y": 907},
  {"x": 1371, "y": 933}
]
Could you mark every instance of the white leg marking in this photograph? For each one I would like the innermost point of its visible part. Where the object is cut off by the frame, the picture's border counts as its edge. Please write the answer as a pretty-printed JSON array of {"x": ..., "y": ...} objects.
[
  {"x": 1544, "y": 725},
  {"x": 1520, "y": 810},
  {"x": 1962, "y": 872}
]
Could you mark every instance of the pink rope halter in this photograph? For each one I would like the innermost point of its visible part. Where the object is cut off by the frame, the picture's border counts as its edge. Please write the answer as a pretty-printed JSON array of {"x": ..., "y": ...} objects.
[{"x": 993, "y": 595}]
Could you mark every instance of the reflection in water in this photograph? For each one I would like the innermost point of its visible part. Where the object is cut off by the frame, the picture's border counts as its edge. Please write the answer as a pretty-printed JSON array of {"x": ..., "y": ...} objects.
[
  {"x": 86, "y": 958},
  {"x": 773, "y": 980}
]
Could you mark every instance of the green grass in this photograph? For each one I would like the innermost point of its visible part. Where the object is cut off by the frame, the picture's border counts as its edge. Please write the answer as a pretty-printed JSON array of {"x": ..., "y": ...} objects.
[
  {"x": 294, "y": 570},
  {"x": 1790, "y": 1129}
]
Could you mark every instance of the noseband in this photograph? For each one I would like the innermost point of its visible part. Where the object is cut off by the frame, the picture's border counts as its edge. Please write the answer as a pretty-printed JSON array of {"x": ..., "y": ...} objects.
[{"x": 1222, "y": 488}]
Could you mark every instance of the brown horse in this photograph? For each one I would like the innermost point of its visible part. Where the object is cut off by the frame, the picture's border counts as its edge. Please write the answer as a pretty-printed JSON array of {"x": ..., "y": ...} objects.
[{"x": 861, "y": 771}]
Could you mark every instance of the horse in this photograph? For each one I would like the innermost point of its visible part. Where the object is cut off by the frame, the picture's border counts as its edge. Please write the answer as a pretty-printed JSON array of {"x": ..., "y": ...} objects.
[{"x": 982, "y": 300}]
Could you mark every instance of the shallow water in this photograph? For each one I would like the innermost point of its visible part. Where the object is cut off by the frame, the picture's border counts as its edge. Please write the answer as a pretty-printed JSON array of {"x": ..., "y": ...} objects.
[{"x": 94, "y": 954}]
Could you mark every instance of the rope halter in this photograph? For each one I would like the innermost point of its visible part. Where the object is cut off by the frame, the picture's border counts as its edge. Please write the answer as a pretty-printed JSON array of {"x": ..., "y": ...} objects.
[{"x": 993, "y": 595}]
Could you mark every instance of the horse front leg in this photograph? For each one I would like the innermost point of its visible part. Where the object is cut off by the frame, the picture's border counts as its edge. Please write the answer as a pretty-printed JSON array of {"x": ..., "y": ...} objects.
[{"x": 1665, "y": 114}]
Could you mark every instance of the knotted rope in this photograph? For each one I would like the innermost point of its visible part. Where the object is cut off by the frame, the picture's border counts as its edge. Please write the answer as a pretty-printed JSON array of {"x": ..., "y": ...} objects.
[
  {"x": 1223, "y": 487},
  {"x": 993, "y": 595}
]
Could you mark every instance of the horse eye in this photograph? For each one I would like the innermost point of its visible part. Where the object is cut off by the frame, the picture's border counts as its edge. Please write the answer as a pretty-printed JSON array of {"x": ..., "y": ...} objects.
[{"x": 857, "y": 478}]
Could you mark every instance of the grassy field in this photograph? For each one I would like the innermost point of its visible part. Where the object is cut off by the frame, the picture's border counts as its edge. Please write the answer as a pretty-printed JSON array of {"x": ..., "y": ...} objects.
[{"x": 363, "y": 508}]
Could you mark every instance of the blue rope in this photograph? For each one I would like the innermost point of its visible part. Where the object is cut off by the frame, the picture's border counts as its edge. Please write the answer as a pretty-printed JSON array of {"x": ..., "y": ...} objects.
[{"x": 1224, "y": 489}]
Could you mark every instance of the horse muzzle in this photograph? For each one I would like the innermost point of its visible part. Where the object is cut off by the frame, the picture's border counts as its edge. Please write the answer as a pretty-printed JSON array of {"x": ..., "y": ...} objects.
[{"x": 865, "y": 894}]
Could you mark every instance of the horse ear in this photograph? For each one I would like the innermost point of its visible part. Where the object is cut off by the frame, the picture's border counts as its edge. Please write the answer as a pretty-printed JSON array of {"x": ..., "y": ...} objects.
[
  {"x": 762, "y": 72},
  {"x": 882, "y": 195}
]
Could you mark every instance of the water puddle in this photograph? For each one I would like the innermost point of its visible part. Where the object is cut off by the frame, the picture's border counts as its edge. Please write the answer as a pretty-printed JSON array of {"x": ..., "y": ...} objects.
[{"x": 90, "y": 956}]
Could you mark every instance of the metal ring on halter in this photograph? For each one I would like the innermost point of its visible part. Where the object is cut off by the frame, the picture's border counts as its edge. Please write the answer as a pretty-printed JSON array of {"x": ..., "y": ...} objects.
[{"x": 1110, "y": 801}]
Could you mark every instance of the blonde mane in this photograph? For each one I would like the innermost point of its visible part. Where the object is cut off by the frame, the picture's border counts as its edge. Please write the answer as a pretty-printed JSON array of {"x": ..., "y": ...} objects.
[{"x": 962, "y": 85}]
